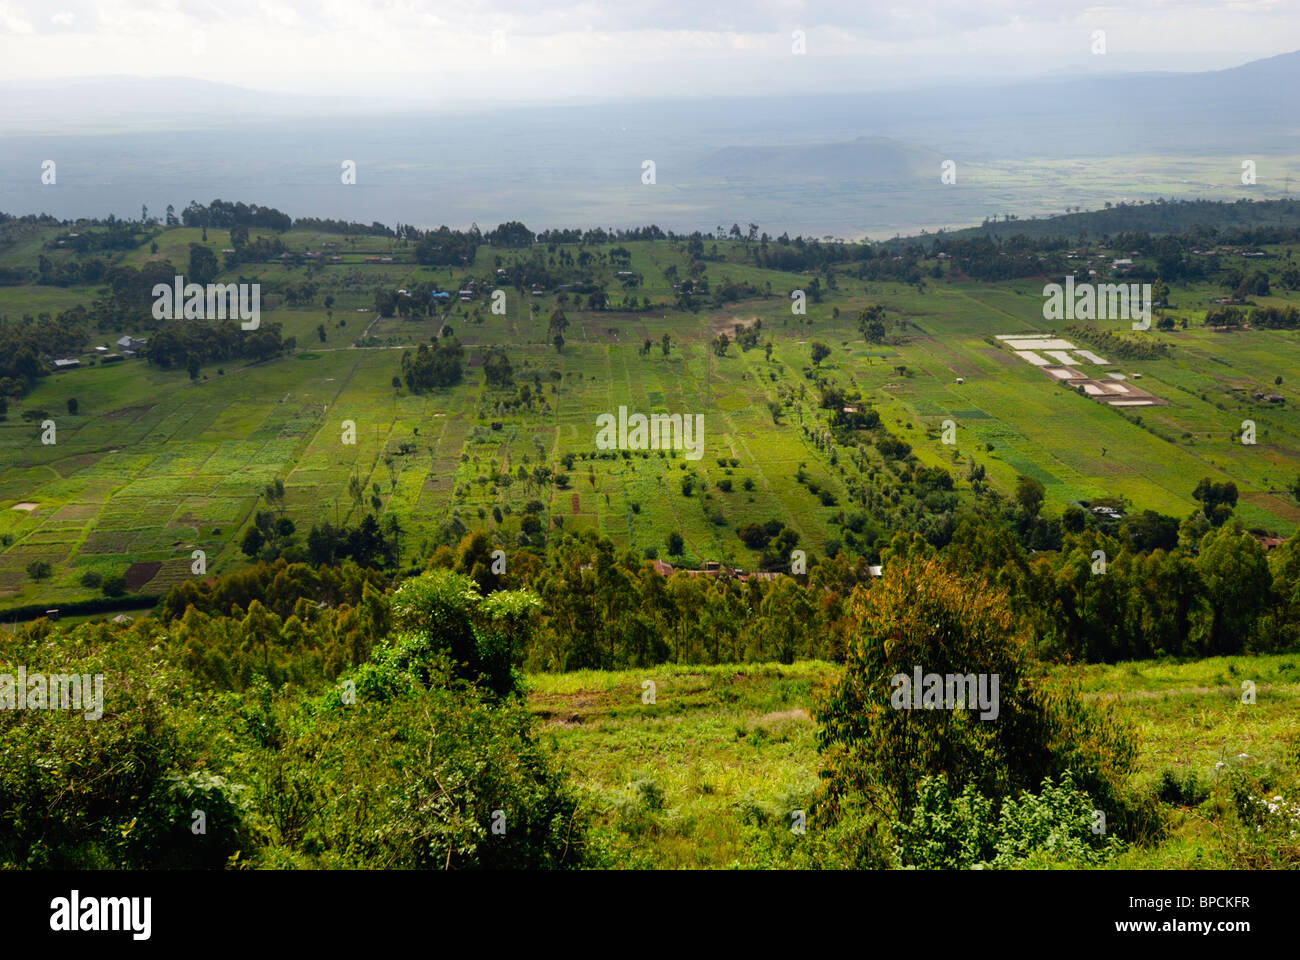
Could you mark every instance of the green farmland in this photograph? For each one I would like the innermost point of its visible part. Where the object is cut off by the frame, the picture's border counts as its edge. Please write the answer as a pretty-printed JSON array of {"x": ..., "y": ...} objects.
[{"x": 154, "y": 465}]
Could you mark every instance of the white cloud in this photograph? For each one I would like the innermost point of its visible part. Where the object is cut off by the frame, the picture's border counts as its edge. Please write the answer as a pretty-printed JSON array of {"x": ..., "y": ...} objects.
[
  {"x": 13, "y": 20},
  {"x": 565, "y": 48}
]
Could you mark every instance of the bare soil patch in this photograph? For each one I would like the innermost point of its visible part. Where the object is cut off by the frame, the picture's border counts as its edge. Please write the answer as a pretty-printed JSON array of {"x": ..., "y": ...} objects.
[{"x": 138, "y": 574}]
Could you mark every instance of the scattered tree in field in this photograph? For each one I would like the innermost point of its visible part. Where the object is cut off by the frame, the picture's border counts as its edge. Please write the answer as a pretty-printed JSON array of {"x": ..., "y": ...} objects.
[
  {"x": 497, "y": 370},
  {"x": 274, "y": 494},
  {"x": 923, "y": 616},
  {"x": 871, "y": 323},
  {"x": 203, "y": 264},
  {"x": 1029, "y": 494},
  {"x": 39, "y": 570},
  {"x": 1217, "y": 500},
  {"x": 252, "y": 543},
  {"x": 555, "y": 328}
]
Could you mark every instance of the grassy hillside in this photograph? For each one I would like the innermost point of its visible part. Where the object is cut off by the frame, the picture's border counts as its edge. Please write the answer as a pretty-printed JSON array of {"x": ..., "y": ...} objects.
[{"x": 725, "y": 754}]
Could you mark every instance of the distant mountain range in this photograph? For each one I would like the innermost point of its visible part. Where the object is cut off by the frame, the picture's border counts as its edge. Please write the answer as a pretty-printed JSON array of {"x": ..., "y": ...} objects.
[{"x": 848, "y": 164}]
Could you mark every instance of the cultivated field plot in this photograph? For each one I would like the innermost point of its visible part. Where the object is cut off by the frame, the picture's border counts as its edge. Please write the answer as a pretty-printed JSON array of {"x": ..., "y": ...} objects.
[
  {"x": 153, "y": 466},
  {"x": 1042, "y": 352},
  {"x": 1080, "y": 449}
]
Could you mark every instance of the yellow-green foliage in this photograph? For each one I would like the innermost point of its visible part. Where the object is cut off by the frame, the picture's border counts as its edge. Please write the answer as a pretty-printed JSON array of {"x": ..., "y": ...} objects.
[{"x": 923, "y": 615}]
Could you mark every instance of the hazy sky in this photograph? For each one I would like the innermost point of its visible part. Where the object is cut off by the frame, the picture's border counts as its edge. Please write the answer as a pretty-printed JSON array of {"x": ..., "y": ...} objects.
[{"x": 442, "y": 50}]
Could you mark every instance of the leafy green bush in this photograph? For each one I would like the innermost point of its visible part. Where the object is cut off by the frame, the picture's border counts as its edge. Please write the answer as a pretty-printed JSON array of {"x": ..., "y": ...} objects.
[
  {"x": 1054, "y": 826},
  {"x": 923, "y": 614},
  {"x": 108, "y": 792},
  {"x": 406, "y": 764},
  {"x": 203, "y": 818},
  {"x": 947, "y": 832},
  {"x": 1181, "y": 789},
  {"x": 442, "y": 613},
  {"x": 426, "y": 777}
]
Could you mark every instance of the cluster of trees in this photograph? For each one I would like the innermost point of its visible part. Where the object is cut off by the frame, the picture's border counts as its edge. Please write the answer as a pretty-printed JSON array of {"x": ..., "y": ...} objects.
[
  {"x": 365, "y": 731},
  {"x": 1137, "y": 226},
  {"x": 225, "y": 215},
  {"x": 608, "y": 610},
  {"x": 371, "y": 543},
  {"x": 190, "y": 343},
  {"x": 35, "y": 219},
  {"x": 278, "y": 586},
  {"x": 774, "y": 539},
  {"x": 439, "y": 364},
  {"x": 599, "y": 235},
  {"x": 984, "y": 258},
  {"x": 512, "y": 234},
  {"x": 497, "y": 370},
  {"x": 270, "y": 698},
  {"x": 114, "y": 235},
  {"x": 67, "y": 273},
  {"x": 257, "y": 250},
  {"x": 1281, "y": 318},
  {"x": 871, "y": 323},
  {"x": 24, "y": 342},
  {"x": 82, "y": 269},
  {"x": 447, "y": 247},
  {"x": 1016, "y": 248},
  {"x": 1217, "y": 500},
  {"x": 345, "y": 227},
  {"x": 1242, "y": 284}
]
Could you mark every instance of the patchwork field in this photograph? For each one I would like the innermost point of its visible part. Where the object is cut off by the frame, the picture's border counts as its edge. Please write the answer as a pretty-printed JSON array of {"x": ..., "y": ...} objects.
[{"x": 153, "y": 466}]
